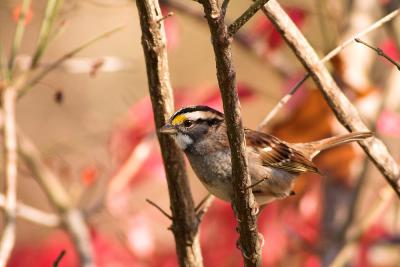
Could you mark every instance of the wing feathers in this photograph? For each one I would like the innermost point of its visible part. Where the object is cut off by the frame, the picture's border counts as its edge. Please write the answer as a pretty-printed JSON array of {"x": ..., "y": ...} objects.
[{"x": 278, "y": 154}]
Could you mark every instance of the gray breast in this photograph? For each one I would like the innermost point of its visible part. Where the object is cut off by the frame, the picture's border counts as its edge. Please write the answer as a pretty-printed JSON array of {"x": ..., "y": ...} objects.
[{"x": 214, "y": 175}]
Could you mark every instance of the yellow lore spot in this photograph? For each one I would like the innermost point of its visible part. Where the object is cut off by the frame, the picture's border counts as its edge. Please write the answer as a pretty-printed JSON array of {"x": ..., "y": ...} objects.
[{"x": 179, "y": 119}]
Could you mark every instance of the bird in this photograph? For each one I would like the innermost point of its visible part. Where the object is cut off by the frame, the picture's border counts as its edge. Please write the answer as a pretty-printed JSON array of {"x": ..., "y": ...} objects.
[{"x": 273, "y": 164}]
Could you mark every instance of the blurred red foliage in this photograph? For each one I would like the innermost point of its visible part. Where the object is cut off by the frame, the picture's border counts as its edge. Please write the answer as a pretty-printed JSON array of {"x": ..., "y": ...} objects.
[
  {"x": 17, "y": 11},
  {"x": 171, "y": 28},
  {"x": 108, "y": 253},
  {"x": 389, "y": 123},
  {"x": 264, "y": 29},
  {"x": 290, "y": 227},
  {"x": 389, "y": 47}
]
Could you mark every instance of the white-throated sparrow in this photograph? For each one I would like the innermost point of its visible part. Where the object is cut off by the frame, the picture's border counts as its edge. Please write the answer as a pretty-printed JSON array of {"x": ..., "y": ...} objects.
[{"x": 200, "y": 132}]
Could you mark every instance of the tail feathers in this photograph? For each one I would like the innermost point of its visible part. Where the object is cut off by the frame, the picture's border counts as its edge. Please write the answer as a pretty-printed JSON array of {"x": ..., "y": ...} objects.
[{"x": 314, "y": 148}]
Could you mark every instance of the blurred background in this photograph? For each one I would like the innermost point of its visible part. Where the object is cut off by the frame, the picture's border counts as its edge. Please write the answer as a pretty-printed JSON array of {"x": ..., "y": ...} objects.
[{"x": 91, "y": 120}]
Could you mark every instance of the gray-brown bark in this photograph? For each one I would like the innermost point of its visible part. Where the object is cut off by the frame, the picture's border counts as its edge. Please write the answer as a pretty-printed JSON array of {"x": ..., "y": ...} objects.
[
  {"x": 345, "y": 112},
  {"x": 184, "y": 220},
  {"x": 243, "y": 199}
]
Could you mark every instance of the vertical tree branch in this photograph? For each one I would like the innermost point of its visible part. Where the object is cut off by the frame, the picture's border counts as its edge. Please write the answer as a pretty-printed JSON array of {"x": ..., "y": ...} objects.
[
  {"x": 19, "y": 33},
  {"x": 345, "y": 112},
  {"x": 52, "y": 8},
  {"x": 10, "y": 174},
  {"x": 184, "y": 220},
  {"x": 243, "y": 199}
]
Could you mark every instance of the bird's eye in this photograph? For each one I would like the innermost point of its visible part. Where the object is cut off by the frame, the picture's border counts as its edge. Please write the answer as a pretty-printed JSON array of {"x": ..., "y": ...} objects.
[{"x": 188, "y": 123}]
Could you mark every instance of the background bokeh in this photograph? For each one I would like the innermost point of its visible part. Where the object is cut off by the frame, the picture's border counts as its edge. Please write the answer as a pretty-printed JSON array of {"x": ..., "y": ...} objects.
[{"x": 91, "y": 120}]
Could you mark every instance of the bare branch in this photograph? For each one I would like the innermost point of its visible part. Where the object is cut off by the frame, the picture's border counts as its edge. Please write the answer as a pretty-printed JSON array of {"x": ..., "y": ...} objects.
[
  {"x": 242, "y": 38},
  {"x": 389, "y": 17},
  {"x": 32, "y": 214},
  {"x": 345, "y": 112},
  {"x": 184, "y": 221},
  {"x": 19, "y": 33},
  {"x": 52, "y": 8},
  {"x": 203, "y": 202},
  {"x": 72, "y": 219},
  {"x": 160, "y": 209},
  {"x": 170, "y": 14},
  {"x": 243, "y": 200},
  {"x": 224, "y": 7},
  {"x": 281, "y": 103},
  {"x": 11, "y": 172},
  {"x": 246, "y": 16},
  {"x": 203, "y": 206},
  {"x": 59, "y": 258},
  {"x": 369, "y": 29},
  {"x": 379, "y": 52},
  {"x": 39, "y": 76}
]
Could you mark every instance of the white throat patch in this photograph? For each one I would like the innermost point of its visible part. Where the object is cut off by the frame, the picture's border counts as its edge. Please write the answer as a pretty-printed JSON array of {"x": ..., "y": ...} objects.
[{"x": 183, "y": 140}]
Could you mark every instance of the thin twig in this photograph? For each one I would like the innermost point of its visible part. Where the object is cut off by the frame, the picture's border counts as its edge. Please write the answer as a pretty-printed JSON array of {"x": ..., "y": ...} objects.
[
  {"x": 224, "y": 7},
  {"x": 243, "y": 200},
  {"x": 379, "y": 52},
  {"x": 355, "y": 195},
  {"x": 256, "y": 183},
  {"x": 159, "y": 208},
  {"x": 184, "y": 221},
  {"x": 19, "y": 33},
  {"x": 10, "y": 173},
  {"x": 281, "y": 103},
  {"x": 345, "y": 112},
  {"x": 242, "y": 38},
  {"x": 72, "y": 219},
  {"x": 246, "y": 16},
  {"x": 328, "y": 57},
  {"x": 203, "y": 206},
  {"x": 170, "y": 14},
  {"x": 38, "y": 77},
  {"x": 201, "y": 203},
  {"x": 59, "y": 258},
  {"x": 52, "y": 8},
  {"x": 367, "y": 30},
  {"x": 32, "y": 214}
]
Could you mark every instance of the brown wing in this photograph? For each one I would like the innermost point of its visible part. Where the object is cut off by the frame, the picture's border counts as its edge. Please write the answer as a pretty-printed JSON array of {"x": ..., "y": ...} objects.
[{"x": 278, "y": 154}]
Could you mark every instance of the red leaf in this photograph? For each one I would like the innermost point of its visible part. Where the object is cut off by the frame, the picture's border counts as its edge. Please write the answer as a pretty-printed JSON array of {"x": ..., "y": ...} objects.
[
  {"x": 17, "y": 12},
  {"x": 88, "y": 175}
]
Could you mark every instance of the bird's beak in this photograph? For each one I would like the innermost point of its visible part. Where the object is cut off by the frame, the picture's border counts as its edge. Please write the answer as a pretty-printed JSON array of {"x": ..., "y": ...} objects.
[{"x": 168, "y": 129}]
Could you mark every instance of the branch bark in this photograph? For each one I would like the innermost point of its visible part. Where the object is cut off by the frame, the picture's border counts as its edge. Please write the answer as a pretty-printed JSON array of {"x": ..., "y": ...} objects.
[
  {"x": 246, "y": 16},
  {"x": 72, "y": 219},
  {"x": 345, "y": 112},
  {"x": 10, "y": 173},
  {"x": 184, "y": 220},
  {"x": 243, "y": 199},
  {"x": 389, "y": 17},
  {"x": 32, "y": 214}
]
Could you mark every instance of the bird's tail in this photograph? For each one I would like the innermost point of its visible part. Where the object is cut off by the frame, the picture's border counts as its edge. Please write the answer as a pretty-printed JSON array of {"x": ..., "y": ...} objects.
[{"x": 312, "y": 149}]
